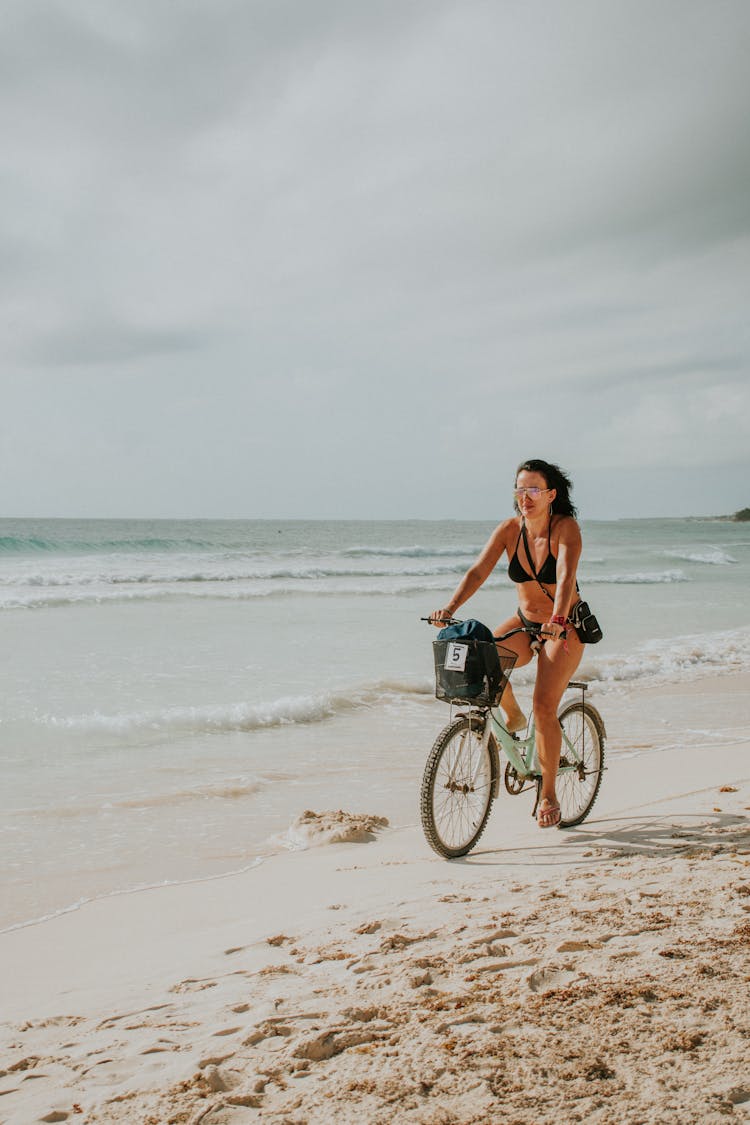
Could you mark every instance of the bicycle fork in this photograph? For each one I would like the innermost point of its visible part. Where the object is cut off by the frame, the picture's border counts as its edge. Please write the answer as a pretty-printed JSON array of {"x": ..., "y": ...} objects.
[{"x": 479, "y": 758}]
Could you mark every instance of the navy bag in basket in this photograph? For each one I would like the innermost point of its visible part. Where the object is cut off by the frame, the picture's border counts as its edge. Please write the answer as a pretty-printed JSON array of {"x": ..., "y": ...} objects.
[{"x": 468, "y": 666}]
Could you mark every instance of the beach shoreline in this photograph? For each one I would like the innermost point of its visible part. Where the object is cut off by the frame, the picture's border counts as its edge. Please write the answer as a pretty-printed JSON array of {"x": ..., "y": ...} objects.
[
  {"x": 599, "y": 973},
  {"x": 219, "y": 679}
]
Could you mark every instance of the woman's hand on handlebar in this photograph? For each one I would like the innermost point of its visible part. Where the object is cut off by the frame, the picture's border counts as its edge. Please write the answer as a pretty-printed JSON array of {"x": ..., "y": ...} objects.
[
  {"x": 552, "y": 630},
  {"x": 440, "y": 617}
]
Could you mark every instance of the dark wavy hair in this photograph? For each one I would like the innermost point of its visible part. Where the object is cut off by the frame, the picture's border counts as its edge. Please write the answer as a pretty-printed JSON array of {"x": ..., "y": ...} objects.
[{"x": 556, "y": 478}]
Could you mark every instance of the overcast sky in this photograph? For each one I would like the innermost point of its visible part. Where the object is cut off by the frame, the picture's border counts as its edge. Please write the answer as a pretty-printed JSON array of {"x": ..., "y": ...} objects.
[{"x": 288, "y": 258}]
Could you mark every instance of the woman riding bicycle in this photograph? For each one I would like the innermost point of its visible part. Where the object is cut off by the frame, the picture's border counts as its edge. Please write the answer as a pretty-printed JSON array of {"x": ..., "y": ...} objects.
[{"x": 543, "y": 544}]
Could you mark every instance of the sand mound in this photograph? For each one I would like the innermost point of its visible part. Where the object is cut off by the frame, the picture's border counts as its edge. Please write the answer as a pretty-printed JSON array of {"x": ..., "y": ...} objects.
[{"x": 312, "y": 829}]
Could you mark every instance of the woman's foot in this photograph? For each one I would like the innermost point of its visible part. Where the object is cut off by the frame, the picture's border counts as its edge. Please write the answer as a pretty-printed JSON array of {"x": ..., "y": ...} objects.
[
  {"x": 516, "y": 721},
  {"x": 548, "y": 814}
]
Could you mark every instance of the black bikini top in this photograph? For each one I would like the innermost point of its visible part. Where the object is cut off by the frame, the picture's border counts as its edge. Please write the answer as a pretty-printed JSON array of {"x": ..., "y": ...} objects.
[{"x": 547, "y": 571}]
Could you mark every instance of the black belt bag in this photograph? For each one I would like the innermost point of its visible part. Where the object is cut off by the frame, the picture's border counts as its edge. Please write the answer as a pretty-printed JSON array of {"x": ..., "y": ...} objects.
[{"x": 585, "y": 624}]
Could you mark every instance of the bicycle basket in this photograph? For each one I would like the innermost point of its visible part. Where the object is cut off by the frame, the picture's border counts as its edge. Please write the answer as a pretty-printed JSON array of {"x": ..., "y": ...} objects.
[{"x": 471, "y": 671}]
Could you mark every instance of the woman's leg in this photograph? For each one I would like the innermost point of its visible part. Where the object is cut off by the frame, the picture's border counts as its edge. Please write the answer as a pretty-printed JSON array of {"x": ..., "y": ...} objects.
[
  {"x": 555, "y": 668},
  {"x": 515, "y": 718}
]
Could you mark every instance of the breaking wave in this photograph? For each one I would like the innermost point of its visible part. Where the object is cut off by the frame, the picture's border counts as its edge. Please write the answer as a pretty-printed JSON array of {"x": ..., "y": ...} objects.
[
  {"x": 55, "y": 592},
  {"x": 637, "y": 578},
  {"x": 713, "y": 556},
  {"x": 678, "y": 658},
  {"x": 39, "y": 545},
  {"x": 144, "y": 578},
  {"x": 415, "y": 552},
  {"x": 223, "y": 718},
  {"x": 393, "y": 586}
]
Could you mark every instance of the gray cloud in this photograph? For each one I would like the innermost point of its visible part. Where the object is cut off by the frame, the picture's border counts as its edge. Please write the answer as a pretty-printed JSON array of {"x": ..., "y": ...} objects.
[
  {"x": 102, "y": 342},
  {"x": 417, "y": 218}
]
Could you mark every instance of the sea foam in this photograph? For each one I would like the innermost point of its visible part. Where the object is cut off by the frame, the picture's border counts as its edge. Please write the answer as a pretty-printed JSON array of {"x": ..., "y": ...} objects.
[
  {"x": 713, "y": 556},
  {"x": 678, "y": 658},
  {"x": 217, "y": 718},
  {"x": 637, "y": 578}
]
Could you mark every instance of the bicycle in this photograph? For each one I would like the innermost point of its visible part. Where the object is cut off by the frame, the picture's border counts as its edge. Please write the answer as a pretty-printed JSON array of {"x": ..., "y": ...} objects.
[{"x": 462, "y": 774}]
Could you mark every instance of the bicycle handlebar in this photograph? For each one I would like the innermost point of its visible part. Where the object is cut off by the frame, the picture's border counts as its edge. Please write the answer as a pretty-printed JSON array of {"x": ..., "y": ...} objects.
[{"x": 534, "y": 631}]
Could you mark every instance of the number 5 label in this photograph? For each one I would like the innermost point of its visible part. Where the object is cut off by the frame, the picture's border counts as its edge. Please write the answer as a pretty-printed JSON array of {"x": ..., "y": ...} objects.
[{"x": 455, "y": 656}]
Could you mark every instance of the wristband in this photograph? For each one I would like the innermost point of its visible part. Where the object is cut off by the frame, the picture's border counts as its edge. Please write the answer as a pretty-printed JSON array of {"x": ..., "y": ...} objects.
[{"x": 558, "y": 619}]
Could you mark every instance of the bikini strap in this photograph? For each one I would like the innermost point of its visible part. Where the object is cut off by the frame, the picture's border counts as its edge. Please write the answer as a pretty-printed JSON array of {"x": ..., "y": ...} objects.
[
  {"x": 531, "y": 560},
  {"x": 519, "y": 539}
]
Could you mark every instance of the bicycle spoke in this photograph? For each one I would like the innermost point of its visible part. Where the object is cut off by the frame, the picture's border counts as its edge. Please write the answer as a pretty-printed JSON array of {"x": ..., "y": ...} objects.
[
  {"x": 457, "y": 788},
  {"x": 581, "y": 762}
]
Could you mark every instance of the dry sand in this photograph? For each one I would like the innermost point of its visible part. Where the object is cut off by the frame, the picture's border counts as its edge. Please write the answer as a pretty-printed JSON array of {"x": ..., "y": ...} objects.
[{"x": 600, "y": 974}]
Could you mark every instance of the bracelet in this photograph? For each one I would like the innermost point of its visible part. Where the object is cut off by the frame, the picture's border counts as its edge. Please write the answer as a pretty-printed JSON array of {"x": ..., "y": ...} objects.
[{"x": 558, "y": 619}]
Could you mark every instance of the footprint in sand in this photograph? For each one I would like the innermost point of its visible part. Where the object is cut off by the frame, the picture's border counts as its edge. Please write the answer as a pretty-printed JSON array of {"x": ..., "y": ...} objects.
[
  {"x": 327, "y": 1044},
  {"x": 579, "y": 946},
  {"x": 400, "y": 941},
  {"x": 193, "y": 985},
  {"x": 485, "y": 949},
  {"x": 27, "y": 1063},
  {"x": 545, "y": 979},
  {"x": 363, "y": 1015},
  {"x": 159, "y": 1047},
  {"x": 219, "y": 1081},
  {"x": 368, "y": 928},
  {"x": 270, "y": 1029},
  {"x": 110, "y": 1021},
  {"x": 214, "y": 1060},
  {"x": 419, "y": 980}
]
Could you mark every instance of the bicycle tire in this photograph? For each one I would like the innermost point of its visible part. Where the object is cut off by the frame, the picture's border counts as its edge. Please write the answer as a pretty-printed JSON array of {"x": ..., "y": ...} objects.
[
  {"x": 578, "y": 787},
  {"x": 454, "y": 812}
]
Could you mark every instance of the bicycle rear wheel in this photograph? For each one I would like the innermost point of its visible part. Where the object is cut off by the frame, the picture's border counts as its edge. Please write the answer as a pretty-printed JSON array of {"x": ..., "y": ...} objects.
[
  {"x": 457, "y": 789},
  {"x": 579, "y": 775}
]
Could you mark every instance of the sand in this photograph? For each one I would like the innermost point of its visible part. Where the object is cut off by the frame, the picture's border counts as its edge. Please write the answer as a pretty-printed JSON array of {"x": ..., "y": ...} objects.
[{"x": 599, "y": 974}]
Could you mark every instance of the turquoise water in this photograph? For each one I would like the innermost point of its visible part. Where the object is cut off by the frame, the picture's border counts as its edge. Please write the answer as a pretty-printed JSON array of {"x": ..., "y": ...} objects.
[{"x": 177, "y": 692}]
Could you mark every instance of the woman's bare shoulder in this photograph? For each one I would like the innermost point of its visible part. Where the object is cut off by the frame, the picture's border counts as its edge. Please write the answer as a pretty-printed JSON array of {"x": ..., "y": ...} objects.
[
  {"x": 567, "y": 529},
  {"x": 498, "y": 541},
  {"x": 513, "y": 523},
  {"x": 507, "y": 529}
]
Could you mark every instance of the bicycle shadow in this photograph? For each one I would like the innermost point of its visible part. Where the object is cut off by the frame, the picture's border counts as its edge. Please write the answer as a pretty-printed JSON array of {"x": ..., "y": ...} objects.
[{"x": 617, "y": 837}]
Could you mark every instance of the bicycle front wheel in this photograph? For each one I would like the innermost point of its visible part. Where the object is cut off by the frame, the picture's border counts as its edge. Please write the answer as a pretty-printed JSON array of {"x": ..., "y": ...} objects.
[
  {"x": 581, "y": 762},
  {"x": 457, "y": 791}
]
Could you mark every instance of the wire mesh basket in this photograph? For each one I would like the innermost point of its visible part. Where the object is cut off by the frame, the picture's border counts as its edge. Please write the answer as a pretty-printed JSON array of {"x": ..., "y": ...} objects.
[{"x": 471, "y": 671}]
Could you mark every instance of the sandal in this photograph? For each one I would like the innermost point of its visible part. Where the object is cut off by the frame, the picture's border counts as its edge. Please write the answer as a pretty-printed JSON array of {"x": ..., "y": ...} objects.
[{"x": 548, "y": 815}]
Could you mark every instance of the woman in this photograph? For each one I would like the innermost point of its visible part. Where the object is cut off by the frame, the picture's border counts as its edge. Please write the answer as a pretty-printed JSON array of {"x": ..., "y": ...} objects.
[{"x": 543, "y": 544}]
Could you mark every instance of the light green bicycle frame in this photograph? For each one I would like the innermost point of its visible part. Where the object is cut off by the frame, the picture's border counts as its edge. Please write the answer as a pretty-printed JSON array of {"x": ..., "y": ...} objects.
[{"x": 521, "y": 752}]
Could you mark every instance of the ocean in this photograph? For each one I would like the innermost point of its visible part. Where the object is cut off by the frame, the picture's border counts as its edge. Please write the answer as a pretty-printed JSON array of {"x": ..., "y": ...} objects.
[{"x": 177, "y": 693}]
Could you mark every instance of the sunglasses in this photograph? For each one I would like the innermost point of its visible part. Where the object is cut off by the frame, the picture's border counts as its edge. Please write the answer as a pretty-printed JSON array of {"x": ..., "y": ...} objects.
[{"x": 532, "y": 492}]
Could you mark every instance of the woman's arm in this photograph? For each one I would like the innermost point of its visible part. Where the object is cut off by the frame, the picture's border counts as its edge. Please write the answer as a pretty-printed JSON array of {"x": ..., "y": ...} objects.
[
  {"x": 476, "y": 575},
  {"x": 568, "y": 554}
]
